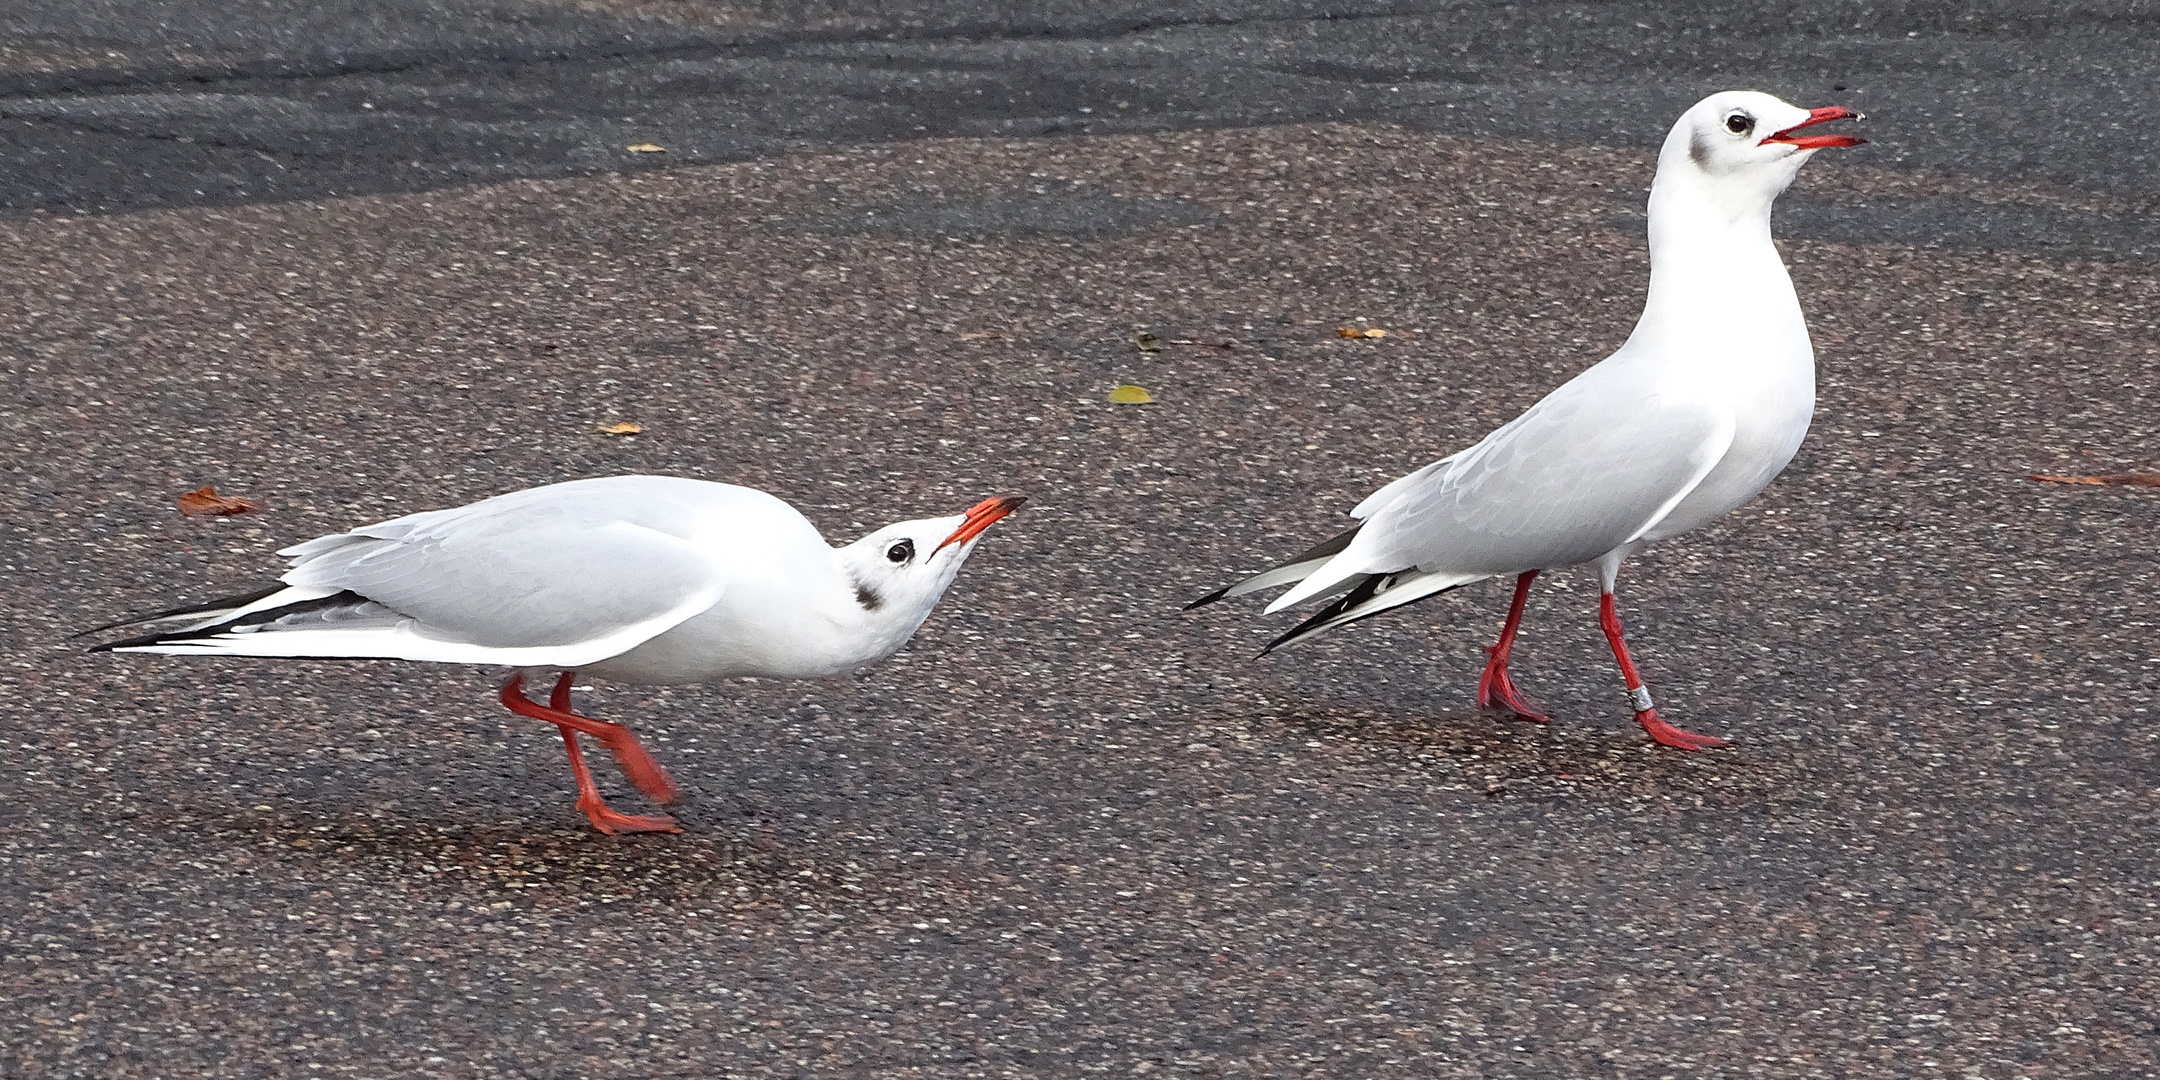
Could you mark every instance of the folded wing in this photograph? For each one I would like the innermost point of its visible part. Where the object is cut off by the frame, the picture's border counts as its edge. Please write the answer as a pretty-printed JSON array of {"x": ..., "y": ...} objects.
[
  {"x": 561, "y": 576},
  {"x": 1575, "y": 477}
]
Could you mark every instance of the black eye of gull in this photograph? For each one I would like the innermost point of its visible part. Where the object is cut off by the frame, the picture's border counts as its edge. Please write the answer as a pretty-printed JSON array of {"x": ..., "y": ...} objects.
[
  {"x": 1739, "y": 123},
  {"x": 901, "y": 552}
]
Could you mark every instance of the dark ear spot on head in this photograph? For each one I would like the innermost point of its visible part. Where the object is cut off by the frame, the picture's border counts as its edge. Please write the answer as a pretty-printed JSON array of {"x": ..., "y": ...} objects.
[
  {"x": 1698, "y": 148},
  {"x": 868, "y": 598}
]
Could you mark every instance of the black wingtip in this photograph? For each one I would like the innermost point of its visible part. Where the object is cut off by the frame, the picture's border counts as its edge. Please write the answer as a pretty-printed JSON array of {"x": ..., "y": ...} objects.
[
  {"x": 1328, "y": 548},
  {"x": 1324, "y": 619},
  {"x": 1275, "y": 644},
  {"x": 221, "y": 604},
  {"x": 222, "y": 611},
  {"x": 1208, "y": 599},
  {"x": 1300, "y": 630},
  {"x": 152, "y": 638},
  {"x": 129, "y": 621},
  {"x": 137, "y": 640}
]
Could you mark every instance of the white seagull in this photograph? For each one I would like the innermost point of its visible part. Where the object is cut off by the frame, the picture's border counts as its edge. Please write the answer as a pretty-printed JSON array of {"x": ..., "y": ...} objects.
[
  {"x": 1705, "y": 402},
  {"x": 642, "y": 579}
]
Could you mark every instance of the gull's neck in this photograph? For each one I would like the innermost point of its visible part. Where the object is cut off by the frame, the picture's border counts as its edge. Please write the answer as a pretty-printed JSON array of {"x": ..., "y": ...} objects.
[
  {"x": 1713, "y": 269},
  {"x": 875, "y": 621}
]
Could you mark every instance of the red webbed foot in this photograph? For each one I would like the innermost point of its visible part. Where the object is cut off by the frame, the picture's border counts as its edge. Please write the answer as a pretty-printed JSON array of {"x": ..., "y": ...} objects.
[
  {"x": 1496, "y": 691},
  {"x": 612, "y": 823},
  {"x": 1667, "y": 735}
]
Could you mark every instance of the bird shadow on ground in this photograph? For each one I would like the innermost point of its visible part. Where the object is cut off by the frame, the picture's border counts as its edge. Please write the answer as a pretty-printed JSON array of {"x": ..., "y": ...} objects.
[
  {"x": 504, "y": 859},
  {"x": 1501, "y": 755}
]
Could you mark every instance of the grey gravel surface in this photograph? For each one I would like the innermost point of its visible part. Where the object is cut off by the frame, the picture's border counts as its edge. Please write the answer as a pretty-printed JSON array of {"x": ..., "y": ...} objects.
[
  {"x": 356, "y": 260},
  {"x": 1072, "y": 830}
]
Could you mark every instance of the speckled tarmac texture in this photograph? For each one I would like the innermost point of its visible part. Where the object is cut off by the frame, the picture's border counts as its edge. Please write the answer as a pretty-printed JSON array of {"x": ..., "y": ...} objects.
[{"x": 1073, "y": 831}]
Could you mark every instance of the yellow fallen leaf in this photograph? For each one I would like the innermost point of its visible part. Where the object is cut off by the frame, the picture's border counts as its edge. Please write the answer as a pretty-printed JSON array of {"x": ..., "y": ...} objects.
[
  {"x": 1354, "y": 332},
  {"x": 646, "y": 148},
  {"x": 1129, "y": 394},
  {"x": 622, "y": 428}
]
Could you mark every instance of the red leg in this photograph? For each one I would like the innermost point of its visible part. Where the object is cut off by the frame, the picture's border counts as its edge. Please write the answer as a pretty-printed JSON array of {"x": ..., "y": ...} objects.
[
  {"x": 1494, "y": 689},
  {"x": 603, "y": 818},
  {"x": 631, "y": 757},
  {"x": 1645, "y": 712}
]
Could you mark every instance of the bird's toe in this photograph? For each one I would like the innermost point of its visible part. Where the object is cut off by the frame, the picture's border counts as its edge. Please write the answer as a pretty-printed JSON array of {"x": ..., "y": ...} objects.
[{"x": 1665, "y": 734}]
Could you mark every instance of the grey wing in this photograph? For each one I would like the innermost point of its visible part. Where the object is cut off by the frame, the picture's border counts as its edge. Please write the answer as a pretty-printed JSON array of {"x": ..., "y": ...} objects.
[
  {"x": 1571, "y": 479},
  {"x": 515, "y": 573}
]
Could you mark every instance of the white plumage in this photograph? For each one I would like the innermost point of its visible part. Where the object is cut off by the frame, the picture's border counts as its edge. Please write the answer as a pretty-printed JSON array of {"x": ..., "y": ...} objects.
[
  {"x": 650, "y": 579},
  {"x": 1692, "y": 416}
]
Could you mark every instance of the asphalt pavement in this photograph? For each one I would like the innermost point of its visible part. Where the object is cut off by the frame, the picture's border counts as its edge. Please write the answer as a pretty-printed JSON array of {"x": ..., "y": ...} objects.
[{"x": 358, "y": 260}]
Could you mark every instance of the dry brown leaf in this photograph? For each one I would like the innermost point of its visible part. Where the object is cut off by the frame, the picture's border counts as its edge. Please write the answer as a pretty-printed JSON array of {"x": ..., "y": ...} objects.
[
  {"x": 646, "y": 148},
  {"x": 1147, "y": 341},
  {"x": 206, "y": 500},
  {"x": 1129, "y": 394},
  {"x": 623, "y": 427},
  {"x": 2132, "y": 479},
  {"x": 1355, "y": 332}
]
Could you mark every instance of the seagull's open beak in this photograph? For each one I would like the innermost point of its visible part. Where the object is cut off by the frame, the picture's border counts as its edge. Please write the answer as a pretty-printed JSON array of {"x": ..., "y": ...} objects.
[
  {"x": 981, "y": 516},
  {"x": 1818, "y": 142}
]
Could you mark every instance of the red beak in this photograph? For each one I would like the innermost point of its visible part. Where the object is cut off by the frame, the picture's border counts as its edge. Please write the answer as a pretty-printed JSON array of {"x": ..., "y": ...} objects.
[
  {"x": 1818, "y": 142},
  {"x": 981, "y": 516}
]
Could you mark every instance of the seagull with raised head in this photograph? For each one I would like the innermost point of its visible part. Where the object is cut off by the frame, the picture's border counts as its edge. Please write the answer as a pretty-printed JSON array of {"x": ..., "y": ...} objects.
[
  {"x": 641, "y": 579},
  {"x": 1695, "y": 413}
]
